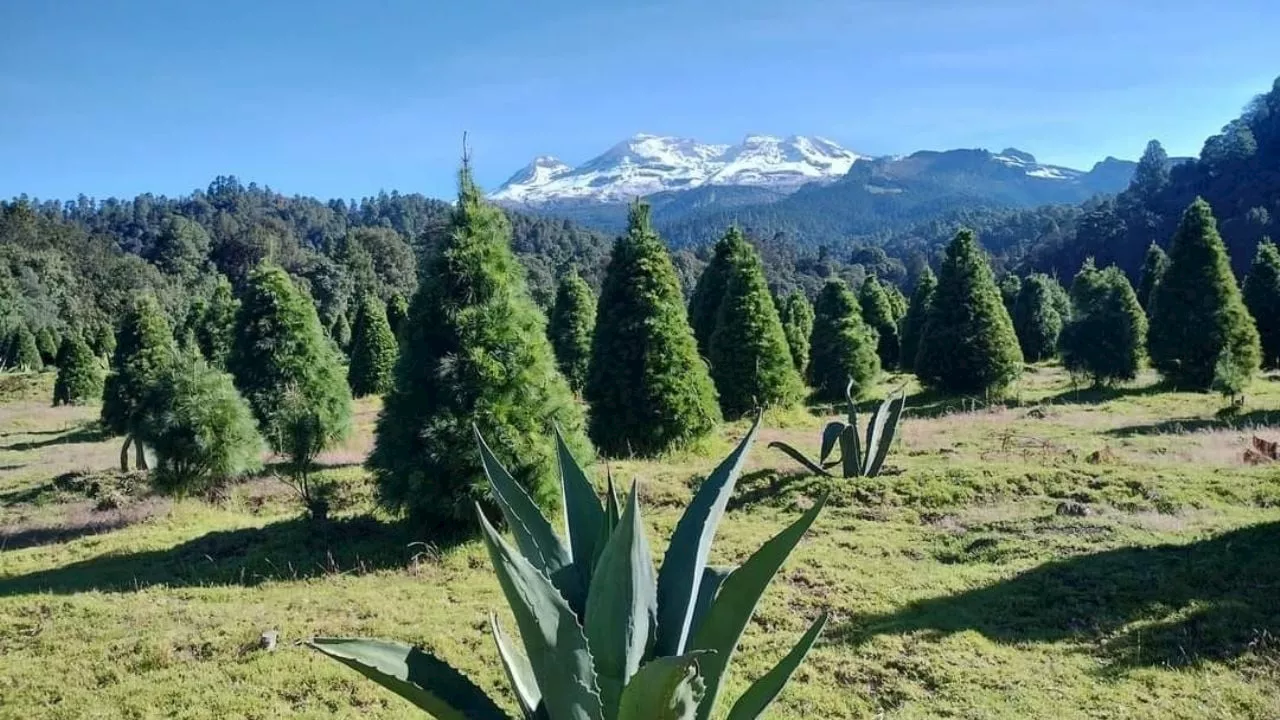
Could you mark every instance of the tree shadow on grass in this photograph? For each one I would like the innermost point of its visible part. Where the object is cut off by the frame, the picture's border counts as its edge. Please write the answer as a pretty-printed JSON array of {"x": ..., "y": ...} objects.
[
  {"x": 774, "y": 488},
  {"x": 1169, "y": 605},
  {"x": 286, "y": 550},
  {"x": 85, "y": 434},
  {"x": 1237, "y": 421},
  {"x": 1099, "y": 394}
]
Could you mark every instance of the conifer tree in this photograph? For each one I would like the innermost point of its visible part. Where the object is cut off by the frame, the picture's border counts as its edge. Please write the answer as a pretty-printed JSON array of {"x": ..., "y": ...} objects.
[
  {"x": 1035, "y": 319},
  {"x": 47, "y": 342},
  {"x": 103, "y": 340},
  {"x": 144, "y": 348},
  {"x": 340, "y": 333},
  {"x": 1153, "y": 268},
  {"x": 1105, "y": 338},
  {"x": 397, "y": 311},
  {"x": 215, "y": 328},
  {"x": 648, "y": 387},
  {"x": 877, "y": 312},
  {"x": 1262, "y": 297},
  {"x": 1010, "y": 285},
  {"x": 842, "y": 347},
  {"x": 751, "y": 363},
  {"x": 572, "y": 323},
  {"x": 704, "y": 304},
  {"x": 1198, "y": 313},
  {"x": 373, "y": 350},
  {"x": 24, "y": 353},
  {"x": 279, "y": 353},
  {"x": 968, "y": 345},
  {"x": 914, "y": 321},
  {"x": 79, "y": 378},
  {"x": 473, "y": 354},
  {"x": 797, "y": 323},
  {"x": 898, "y": 304}
]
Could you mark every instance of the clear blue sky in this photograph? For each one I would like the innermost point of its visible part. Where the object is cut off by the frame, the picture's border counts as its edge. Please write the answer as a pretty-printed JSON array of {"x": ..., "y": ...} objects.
[{"x": 343, "y": 98}]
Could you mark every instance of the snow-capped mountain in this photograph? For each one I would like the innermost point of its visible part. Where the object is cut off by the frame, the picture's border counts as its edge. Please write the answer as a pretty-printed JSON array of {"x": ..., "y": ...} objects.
[{"x": 647, "y": 164}]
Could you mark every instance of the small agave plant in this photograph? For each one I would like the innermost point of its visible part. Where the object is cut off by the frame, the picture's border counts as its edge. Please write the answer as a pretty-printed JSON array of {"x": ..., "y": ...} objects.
[
  {"x": 605, "y": 636},
  {"x": 854, "y": 460}
]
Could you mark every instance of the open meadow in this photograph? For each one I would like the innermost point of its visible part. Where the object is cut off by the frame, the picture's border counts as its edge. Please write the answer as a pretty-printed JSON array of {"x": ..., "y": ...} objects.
[{"x": 1093, "y": 553}]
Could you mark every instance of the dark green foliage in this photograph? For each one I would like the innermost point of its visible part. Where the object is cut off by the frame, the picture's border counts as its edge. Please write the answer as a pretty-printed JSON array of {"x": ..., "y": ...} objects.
[
  {"x": 917, "y": 314},
  {"x": 144, "y": 350},
  {"x": 1262, "y": 297},
  {"x": 751, "y": 363},
  {"x": 24, "y": 352},
  {"x": 397, "y": 311},
  {"x": 1036, "y": 319},
  {"x": 968, "y": 345},
  {"x": 878, "y": 313},
  {"x": 1010, "y": 286},
  {"x": 373, "y": 350},
  {"x": 649, "y": 390},
  {"x": 1060, "y": 299},
  {"x": 201, "y": 429},
  {"x": 1197, "y": 310},
  {"x": 474, "y": 350},
  {"x": 280, "y": 359},
  {"x": 103, "y": 340},
  {"x": 898, "y": 302},
  {"x": 842, "y": 346},
  {"x": 797, "y": 323},
  {"x": 47, "y": 342},
  {"x": 1153, "y": 269},
  {"x": 1105, "y": 338},
  {"x": 704, "y": 305},
  {"x": 79, "y": 373},
  {"x": 572, "y": 324},
  {"x": 341, "y": 333},
  {"x": 215, "y": 327}
]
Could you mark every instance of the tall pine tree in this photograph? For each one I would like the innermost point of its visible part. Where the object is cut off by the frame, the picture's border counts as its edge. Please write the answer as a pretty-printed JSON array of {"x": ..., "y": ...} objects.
[
  {"x": 797, "y": 324},
  {"x": 1153, "y": 269},
  {"x": 843, "y": 346},
  {"x": 24, "y": 352},
  {"x": 1262, "y": 297},
  {"x": 215, "y": 329},
  {"x": 373, "y": 350},
  {"x": 704, "y": 304},
  {"x": 877, "y": 311},
  {"x": 397, "y": 311},
  {"x": 473, "y": 352},
  {"x": 144, "y": 349},
  {"x": 917, "y": 314},
  {"x": 751, "y": 363},
  {"x": 968, "y": 345},
  {"x": 1035, "y": 318},
  {"x": 1198, "y": 313},
  {"x": 572, "y": 323},
  {"x": 649, "y": 390},
  {"x": 1105, "y": 338}
]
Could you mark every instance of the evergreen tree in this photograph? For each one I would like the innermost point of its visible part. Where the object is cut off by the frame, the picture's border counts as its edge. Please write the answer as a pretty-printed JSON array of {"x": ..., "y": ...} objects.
[
  {"x": 24, "y": 353},
  {"x": 1105, "y": 338},
  {"x": 397, "y": 311},
  {"x": 144, "y": 349},
  {"x": 914, "y": 321},
  {"x": 1152, "y": 173},
  {"x": 1060, "y": 299},
  {"x": 340, "y": 333},
  {"x": 373, "y": 350},
  {"x": 751, "y": 363},
  {"x": 47, "y": 342},
  {"x": 79, "y": 374},
  {"x": 842, "y": 347},
  {"x": 898, "y": 304},
  {"x": 572, "y": 323},
  {"x": 649, "y": 390},
  {"x": 877, "y": 312},
  {"x": 1262, "y": 297},
  {"x": 1010, "y": 285},
  {"x": 215, "y": 328},
  {"x": 1198, "y": 313},
  {"x": 968, "y": 345},
  {"x": 103, "y": 341},
  {"x": 1035, "y": 319},
  {"x": 704, "y": 305},
  {"x": 473, "y": 351},
  {"x": 1153, "y": 269},
  {"x": 797, "y": 323},
  {"x": 279, "y": 353}
]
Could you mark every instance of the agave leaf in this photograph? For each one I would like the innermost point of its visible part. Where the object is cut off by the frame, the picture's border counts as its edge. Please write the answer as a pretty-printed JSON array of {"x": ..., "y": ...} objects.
[
  {"x": 830, "y": 434},
  {"x": 534, "y": 536},
  {"x": 553, "y": 640},
  {"x": 712, "y": 579},
  {"x": 519, "y": 672},
  {"x": 666, "y": 688},
  {"x": 419, "y": 677},
  {"x": 686, "y": 556},
  {"x": 752, "y": 703},
  {"x": 622, "y": 606},
  {"x": 886, "y": 424},
  {"x": 611, "y": 519},
  {"x": 799, "y": 457},
  {"x": 736, "y": 602},
  {"x": 583, "y": 514},
  {"x": 850, "y": 452}
]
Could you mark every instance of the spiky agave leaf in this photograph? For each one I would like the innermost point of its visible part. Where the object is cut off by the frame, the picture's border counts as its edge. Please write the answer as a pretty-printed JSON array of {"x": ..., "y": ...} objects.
[
  {"x": 830, "y": 434},
  {"x": 881, "y": 431},
  {"x": 519, "y": 671},
  {"x": 800, "y": 458},
  {"x": 757, "y": 698},
  {"x": 583, "y": 514},
  {"x": 666, "y": 688}
]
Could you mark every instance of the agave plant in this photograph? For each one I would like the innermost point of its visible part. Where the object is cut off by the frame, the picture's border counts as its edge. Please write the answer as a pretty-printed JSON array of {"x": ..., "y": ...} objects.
[
  {"x": 855, "y": 461},
  {"x": 605, "y": 636}
]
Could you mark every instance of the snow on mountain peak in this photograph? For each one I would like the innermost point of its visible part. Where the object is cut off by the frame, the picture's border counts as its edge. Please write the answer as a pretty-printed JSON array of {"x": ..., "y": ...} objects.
[{"x": 645, "y": 164}]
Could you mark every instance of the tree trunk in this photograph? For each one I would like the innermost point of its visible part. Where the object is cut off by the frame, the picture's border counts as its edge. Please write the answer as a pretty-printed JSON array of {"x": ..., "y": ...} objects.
[
  {"x": 140, "y": 454},
  {"x": 124, "y": 453}
]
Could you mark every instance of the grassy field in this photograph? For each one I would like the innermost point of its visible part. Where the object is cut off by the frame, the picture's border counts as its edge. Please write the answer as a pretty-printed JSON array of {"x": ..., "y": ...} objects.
[{"x": 956, "y": 587}]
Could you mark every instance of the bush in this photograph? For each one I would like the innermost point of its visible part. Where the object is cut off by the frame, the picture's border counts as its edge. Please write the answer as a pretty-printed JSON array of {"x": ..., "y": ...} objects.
[
  {"x": 79, "y": 373},
  {"x": 842, "y": 346}
]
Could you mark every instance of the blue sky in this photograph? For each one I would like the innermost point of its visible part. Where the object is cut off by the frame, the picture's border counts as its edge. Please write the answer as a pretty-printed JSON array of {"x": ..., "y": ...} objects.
[{"x": 342, "y": 99}]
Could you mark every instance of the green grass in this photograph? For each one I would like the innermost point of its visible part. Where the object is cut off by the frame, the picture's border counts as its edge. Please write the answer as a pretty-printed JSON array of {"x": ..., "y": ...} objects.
[{"x": 955, "y": 588}]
